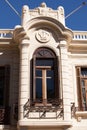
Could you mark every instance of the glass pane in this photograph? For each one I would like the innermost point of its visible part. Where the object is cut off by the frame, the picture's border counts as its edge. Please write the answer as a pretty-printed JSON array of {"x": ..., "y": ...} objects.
[
  {"x": 84, "y": 71},
  {"x": 50, "y": 73},
  {"x": 39, "y": 73},
  {"x": 82, "y": 83},
  {"x": 44, "y": 62},
  {"x": 50, "y": 84},
  {"x": 38, "y": 88},
  {"x": 83, "y": 94},
  {"x": 44, "y": 52},
  {"x": 50, "y": 89}
]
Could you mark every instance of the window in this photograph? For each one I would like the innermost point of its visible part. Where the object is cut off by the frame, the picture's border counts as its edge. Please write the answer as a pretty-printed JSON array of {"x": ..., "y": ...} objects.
[
  {"x": 4, "y": 85},
  {"x": 45, "y": 76},
  {"x": 82, "y": 87},
  {"x": 4, "y": 94}
]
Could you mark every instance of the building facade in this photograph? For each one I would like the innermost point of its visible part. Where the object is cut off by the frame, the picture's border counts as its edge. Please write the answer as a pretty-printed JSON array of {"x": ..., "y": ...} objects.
[{"x": 43, "y": 73}]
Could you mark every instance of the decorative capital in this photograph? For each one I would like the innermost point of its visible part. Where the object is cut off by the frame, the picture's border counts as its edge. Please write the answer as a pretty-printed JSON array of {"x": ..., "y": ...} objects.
[{"x": 63, "y": 44}]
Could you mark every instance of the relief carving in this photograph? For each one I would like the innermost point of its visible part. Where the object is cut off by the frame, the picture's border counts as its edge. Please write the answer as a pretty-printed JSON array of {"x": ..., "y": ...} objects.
[{"x": 43, "y": 36}]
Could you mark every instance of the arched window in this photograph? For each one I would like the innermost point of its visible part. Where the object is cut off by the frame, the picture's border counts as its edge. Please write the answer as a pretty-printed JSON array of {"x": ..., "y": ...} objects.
[{"x": 45, "y": 76}]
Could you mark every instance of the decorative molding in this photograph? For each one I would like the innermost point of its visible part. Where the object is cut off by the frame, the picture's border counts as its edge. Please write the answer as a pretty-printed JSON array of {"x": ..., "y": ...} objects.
[
  {"x": 20, "y": 34},
  {"x": 81, "y": 115}
]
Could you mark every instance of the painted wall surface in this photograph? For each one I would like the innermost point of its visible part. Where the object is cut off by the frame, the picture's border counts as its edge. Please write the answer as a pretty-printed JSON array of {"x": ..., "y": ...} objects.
[{"x": 44, "y": 27}]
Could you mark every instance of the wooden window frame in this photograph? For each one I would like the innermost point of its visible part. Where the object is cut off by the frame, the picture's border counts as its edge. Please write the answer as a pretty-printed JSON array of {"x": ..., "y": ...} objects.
[
  {"x": 42, "y": 55},
  {"x": 81, "y": 78}
]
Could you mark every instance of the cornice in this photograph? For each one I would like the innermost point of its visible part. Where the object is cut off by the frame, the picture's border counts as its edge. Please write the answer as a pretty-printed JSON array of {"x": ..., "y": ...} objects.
[
  {"x": 43, "y": 21},
  {"x": 20, "y": 34}
]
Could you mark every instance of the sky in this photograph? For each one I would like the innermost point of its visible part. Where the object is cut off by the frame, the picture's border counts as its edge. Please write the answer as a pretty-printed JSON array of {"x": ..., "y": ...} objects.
[{"x": 77, "y": 21}]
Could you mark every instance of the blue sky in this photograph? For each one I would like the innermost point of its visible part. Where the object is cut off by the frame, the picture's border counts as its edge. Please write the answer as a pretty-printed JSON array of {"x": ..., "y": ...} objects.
[{"x": 77, "y": 21}]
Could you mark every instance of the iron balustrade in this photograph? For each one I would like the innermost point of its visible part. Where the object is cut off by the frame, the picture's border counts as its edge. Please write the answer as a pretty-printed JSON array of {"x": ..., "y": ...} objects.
[
  {"x": 73, "y": 109},
  {"x": 43, "y": 109},
  {"x": 76, "y": 109}
]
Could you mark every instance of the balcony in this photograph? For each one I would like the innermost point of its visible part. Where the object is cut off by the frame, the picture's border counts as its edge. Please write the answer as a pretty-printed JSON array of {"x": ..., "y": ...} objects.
[
  {"x": 4, "y": 115},
  {"x": 38, "y": 109},
  {"x": 80, "y": 35},
  {"x": 6, "y": 34},
  {"x": 44, "y": 113}
]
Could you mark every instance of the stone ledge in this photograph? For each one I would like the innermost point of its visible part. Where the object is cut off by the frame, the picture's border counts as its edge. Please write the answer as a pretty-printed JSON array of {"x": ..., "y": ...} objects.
[
  {"x": 44, "y": 123},
  {"x": 81, "y": 114}
]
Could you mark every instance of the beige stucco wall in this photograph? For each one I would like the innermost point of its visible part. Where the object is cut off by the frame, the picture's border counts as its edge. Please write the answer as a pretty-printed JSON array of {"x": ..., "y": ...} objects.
[
  {"x": 41, "y": 28},
  {"x": 9, "y": 55}
]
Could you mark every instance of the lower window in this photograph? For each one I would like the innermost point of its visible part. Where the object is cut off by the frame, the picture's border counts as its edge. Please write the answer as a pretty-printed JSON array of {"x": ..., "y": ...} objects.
[
  {"x": 82, "y": 87},
  {"x": 4, "y": 95}
]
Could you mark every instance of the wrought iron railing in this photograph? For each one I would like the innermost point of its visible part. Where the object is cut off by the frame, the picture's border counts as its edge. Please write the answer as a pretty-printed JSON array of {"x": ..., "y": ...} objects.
[
  {"x": 76, "y": 109},
  {"x": 52, "y": 108},
  {"x": 73, "y": 110},
  {"x": 5, "y": 115}
]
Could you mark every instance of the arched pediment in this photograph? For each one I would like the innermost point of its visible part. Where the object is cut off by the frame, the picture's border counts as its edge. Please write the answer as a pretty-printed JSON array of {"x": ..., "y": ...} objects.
[{"x": 53, "y": 25}]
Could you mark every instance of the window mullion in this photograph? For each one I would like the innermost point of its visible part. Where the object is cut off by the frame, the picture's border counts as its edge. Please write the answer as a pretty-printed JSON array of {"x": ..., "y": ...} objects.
[{"x": 44, "y": 86}]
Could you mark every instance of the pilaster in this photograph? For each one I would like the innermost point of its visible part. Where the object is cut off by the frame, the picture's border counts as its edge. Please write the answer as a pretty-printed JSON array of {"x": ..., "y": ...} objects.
[
  {"x": 24, "y": 76},
  {"x": 65, "y": 80},
  {"x": 22, "y": 39},
  {"x": 25, "y": 15}
]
